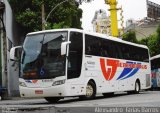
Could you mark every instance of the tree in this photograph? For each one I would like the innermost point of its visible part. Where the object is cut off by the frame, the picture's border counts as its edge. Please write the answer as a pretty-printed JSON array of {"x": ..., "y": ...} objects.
[
  {"x": 144, "y": 41},
  {"x": 152, "y": 45},
  {"x": 28, "y": 14},
  {"x": 130, "y": 36},
  {"x": 158, "y": 34},
  {"x": 153, "y": 42}
]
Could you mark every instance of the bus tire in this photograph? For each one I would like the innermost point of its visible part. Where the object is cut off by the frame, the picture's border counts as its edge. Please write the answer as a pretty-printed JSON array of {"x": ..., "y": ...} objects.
[
  {"x": 52, "y": 99},
  {"x": 90, "y": 91},
  {"x": 137, "y": 87}
]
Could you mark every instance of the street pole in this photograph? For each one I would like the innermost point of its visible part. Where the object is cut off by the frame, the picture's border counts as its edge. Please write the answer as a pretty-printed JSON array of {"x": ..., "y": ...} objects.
[
  {"x": 45, "y": 20},
  {"x": 2, "y": 29},
  {"x": 113, "y": 16},
  {"x": 3, "y": 50},
  {"x": 43, "y": 16}
]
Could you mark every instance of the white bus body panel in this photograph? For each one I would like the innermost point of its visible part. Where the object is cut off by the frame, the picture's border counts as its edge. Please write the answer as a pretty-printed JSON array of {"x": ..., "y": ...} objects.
[{"x": 91, "y": 70}]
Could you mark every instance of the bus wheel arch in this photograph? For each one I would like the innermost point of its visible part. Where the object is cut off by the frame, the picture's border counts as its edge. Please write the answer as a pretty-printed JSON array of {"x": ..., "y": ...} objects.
[
  {"x": 90, "y": 90},
  {"x": 91, "y": 87},
  {"x": 93, "y": 81},
  {"x": 137, "y": 86}
]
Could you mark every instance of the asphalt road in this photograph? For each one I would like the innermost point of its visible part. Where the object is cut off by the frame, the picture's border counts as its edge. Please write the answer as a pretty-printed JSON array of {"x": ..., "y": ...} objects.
[{"x": 147, "y": 101}]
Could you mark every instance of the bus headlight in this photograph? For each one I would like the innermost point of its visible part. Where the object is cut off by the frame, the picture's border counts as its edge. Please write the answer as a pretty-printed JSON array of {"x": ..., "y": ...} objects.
[
  {"x": 22, "y": 84},
  {"x": 59, "y": 82}
]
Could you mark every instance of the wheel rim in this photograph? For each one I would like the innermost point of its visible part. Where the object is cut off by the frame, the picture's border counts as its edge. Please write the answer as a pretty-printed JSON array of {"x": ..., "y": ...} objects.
[
  {"x": 137, "y": 87},
  {"x": 89, "y": 90}
]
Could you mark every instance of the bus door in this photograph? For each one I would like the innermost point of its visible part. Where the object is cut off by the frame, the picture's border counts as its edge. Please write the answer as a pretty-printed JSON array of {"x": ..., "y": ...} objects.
[{"x": 74, "y": 66}]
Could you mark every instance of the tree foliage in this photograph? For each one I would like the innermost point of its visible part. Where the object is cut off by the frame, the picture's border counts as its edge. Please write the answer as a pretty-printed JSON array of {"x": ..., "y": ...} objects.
[
  {"x": 130, "y": 36},
  {"x": 28, "y": 14},
  {"x": 154, "y": 43}
]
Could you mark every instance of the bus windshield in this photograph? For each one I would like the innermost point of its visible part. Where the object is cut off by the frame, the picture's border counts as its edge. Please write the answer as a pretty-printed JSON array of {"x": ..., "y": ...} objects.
[{"x": 41, "y": 56}]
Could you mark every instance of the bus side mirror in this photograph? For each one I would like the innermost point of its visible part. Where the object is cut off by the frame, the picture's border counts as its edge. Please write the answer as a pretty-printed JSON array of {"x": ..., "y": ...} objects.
[
  {"x": 14, "y": 53},
  {"x": 64, "y": 47}
]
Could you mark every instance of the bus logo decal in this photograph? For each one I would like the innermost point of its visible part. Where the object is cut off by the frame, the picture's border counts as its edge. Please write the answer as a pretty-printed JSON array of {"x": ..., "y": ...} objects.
[
  {"x": 125, "y": 71},
  {"x": 111, "y": 69},
  {"x": 34, "y": 81},
  {"x": 28, "y": 81},
  {"x": 31, "y": 81},
  {"x": 132, "y": 73},
  {"x": 129, "y": 71}
]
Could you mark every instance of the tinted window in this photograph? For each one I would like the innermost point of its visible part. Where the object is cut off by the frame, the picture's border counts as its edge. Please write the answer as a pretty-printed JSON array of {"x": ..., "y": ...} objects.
[
  {"x": 101, "y": 47},
  {"x": 155, "y": 64},
  {"x": 75, "y": 55},
  {"x": 107, "y": 48},
  {"x": 130, "y": 52}
]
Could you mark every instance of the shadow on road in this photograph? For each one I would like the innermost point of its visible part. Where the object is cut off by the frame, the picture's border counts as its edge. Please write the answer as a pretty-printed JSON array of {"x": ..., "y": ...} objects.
[{"x": 99, "y": 97}]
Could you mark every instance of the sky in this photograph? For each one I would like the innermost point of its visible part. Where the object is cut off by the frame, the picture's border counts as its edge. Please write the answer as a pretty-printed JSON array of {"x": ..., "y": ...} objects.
[{"x": 133, "y": 9}]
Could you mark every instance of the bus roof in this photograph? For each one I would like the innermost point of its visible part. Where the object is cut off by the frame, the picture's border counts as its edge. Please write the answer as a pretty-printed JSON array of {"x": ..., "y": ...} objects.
[
  {"x": 155, "y": 57},
  {"x": 90, "y": 33}
]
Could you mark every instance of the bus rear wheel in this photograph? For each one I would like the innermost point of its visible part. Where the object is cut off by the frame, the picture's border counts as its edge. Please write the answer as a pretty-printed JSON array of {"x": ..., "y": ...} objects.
[
  {"x": 90, "y": 91},
  {"x": 137, "y": 87},
  {"x": 52, "y": 99}
]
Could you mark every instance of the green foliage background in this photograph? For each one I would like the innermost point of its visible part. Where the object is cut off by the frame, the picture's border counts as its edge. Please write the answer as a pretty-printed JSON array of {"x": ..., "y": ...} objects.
[
  {"x": 28, "y": 14},
  {"x": 130, "y": 36},
  {"x": 67, "y": 15}
]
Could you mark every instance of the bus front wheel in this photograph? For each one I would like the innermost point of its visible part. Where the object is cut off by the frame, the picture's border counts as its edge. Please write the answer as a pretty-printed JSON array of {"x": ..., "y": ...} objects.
[
  {"x": 52, "y": 99},
  {"x": 90, "y": 91}
]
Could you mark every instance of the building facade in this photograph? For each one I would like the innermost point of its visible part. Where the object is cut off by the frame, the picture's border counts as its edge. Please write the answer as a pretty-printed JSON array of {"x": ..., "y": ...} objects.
[
  {"x": 8, "y": 38},
  {"x": 101, "y": 22},
  {"x": 143, "y": 28},
  {"x": 148, "y": 25}
]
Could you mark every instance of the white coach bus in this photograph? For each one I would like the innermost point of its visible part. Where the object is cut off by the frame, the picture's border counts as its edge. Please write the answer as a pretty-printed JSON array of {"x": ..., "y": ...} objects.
[
  {"x": 155, "y": 67},
  {"x": 70, "y": 62}
]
